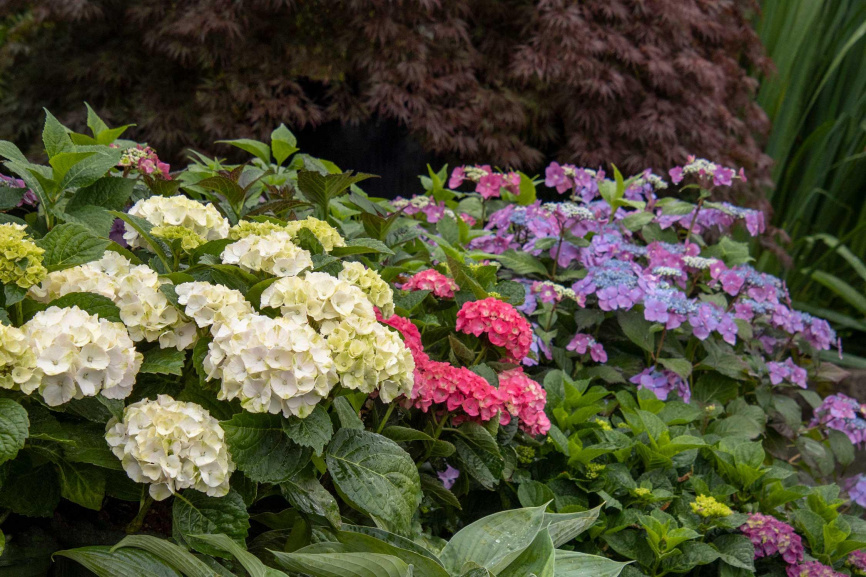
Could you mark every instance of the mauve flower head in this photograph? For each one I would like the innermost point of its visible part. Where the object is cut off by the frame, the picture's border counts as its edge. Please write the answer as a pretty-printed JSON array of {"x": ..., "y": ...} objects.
[
  {"x": 812, "y": 569},
  {"x": 842, "y": 413},
  {"x": 581, "y": 343},
  {"x": 787, "y": 371},
  {"x": 662, "y": 383},
  {"x": 857, "y": 562},
  {"x": 770, "y": 536},
  {"x": 449, "y": 476},
  {"x": 503, "y": 325},
  {"x": 856, "y": 487}
]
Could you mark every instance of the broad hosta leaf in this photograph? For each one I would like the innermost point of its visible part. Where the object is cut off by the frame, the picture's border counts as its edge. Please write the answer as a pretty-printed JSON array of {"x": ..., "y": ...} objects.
[
  {"x": 424, "y": 565},
  {"x": 314, "y": 431},
  {"x": 494, "y": 541},
  {"x": 344, "y": 564},
  {"x": 175, "y": 556},
  {"x": 105, "y": 563},
  {"x": 249, "y": 561},
  {"x": 163, "y": 361},
  {"x": 376, "y": 477},
  {"x": 393, "y": 539},
  {"x": 573, "y": 564},
  {"x": 14, "y": 426},
  {"x": 70, "y": 244},
  {"x": 537, "y": 559},
  {"x": 194, "y": 513},
  {"x": 261, "y": 449},
  {"x": 94, "y": 304},
  {"x": 306, "y": 494},
  {"x": 563, "y": 527}
]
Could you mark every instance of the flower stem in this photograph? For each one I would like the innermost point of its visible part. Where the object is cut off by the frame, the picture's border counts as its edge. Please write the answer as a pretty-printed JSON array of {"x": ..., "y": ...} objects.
[
  {"x": 384, "y": 420},
  {"x": 135, "y": 525}
]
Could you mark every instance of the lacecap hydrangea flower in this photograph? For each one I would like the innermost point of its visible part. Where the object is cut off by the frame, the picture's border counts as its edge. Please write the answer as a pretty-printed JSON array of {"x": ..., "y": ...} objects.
[
  {"x": 503, "y": 325},
  {"x": 171, "y": 445},
  {"x": 208, "y": 304},
  {"x": 20, "y": 258},
  {"x": 200, "y": 217},
  {"x": 81, "y": 355},
  {"x": 318, "y": 296},
  {"x": 771, "y": 536},
  {"x": 18, "y": 370},
  {"x": 707, "y": 507},
  {"x": 662, "y": 383},
  {"x": 369, "y": 281},
  {"x": 273, "y": 253},
  {"x": 431, "y": 280},
  {"x": 144, "y": 309},
  {"x": 271, "y": 365}
]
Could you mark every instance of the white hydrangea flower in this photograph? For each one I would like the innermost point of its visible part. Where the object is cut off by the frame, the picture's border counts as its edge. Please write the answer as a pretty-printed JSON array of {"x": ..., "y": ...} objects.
[
  {"x": 18, "y": 370},
  {"x": 144, "y": 309},
  {"x": 273, "y": 253},
  {"x": 271, "y": 365},
  {"x": 368, "y": 356},
  {"x": 327, "y": 235},
  {"x": 200, "y": 217},
  {"x": 319, "y": 296},
  {"x": 369, "y": 281},
  {"x": 210, "y": 304},
  {"x": 81, "y": 355},
  {"x": 171, "y": 445}
]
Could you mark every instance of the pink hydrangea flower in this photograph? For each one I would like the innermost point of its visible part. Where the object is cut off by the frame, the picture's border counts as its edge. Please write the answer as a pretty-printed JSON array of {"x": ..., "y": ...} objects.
[
  {"x": 582, "y": 342},
  {"x": 431, "y": 280},
  {"x": 771, "y": 536},
  {"x": 523, "y": 398},
  {"x": 812, "y": 569},
  {"x": 842, "y": 413},
  {"x": 504, "y": 326},
  {"x": 787, "y": 371}
]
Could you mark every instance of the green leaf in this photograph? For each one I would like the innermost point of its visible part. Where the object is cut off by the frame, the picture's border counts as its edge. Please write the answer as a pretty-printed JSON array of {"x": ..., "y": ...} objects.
[
  {"x": 12, "y": 152},
  {"x": 94, "y": 123},
  {"x": 94, "y": 304},
  {"x": 82, "y": 484},
  {"x": 256, "y": 148},
  {"x": 105, "y": 563},
  {"x": 637, "y": 329},
  {"x": 527, "y": 191},
  {"x": 163, "y": 361},
  {"x": 194, "y": 513},
  {"x": 260, "y": 448},
  {"x": 14, "y": 429},
  {"x": 175, "y": 556},
  {"x": 537, "y": 559},
  {"x": 376, "y": 477},
  {"x": 521, "y": 262},
  {"x": 85, "y": 443},
  {"x": 320, "y": 188},
  {"x": 534, "y": 494},
  {"x": 111, "y": 192},
  {"x": 736, "y": 550},
  {"x": 434, "y": 489},
  {"x": 842, "y": 447},
  {"x": 91, "y": 169},
  {"x": 96, "y": 218},
  {"x": 249, "y": 561},
  {"x": 347, "y": 415},
  {"x": 306, "y": 494},
  {"x": 361, "y": 246},
  {"x": 69, "y": 245},
  {"x": 410, "y": 300},
  {"x": 494, "y": 541},
  {"x": 479, "y": 454},
  {"x": 283, "y": 143},
  {"x": 682, "y": 367},
  {"x": 344, "y": 564},
  {"x": 55, "y": 136},
  {"x": 361, "y": 541},
  {"x": 31, "y": 490},
  {"x": 228, "y": 188},
  {"x": 563, "y": 527},
  {"x": 314, "y": 431}
]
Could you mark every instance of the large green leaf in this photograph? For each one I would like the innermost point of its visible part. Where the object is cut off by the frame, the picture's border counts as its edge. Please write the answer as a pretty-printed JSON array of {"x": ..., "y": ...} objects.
[
  {"x": 283, "y": 143},
  {"x": 91, "y": 169},
  {"x": 314, "y": 431},
  {"x": 256, "y": 148},
  {"x": 111, "y": 193},
  {"x": 563, "y": 527},
  {"x": 163, "y": 361},
  {"x": 344, "y": 564},
  {"x": 494, "y": 541},
  {"x": 521, "y": 262},
  {"x": 537, "y": 559},
  {"x": 306, "y": 494},
  {"x": 81, "y": 483},
  {"x": 261, "y": 449},
  {"x": 249, "y": 561},
  {"x": 376, "y": 477},
  {"x": 94, "y": 304},
  {"x": 175, "y": 556},
  {"x": 424, "y": 565},
  {"x": 105, "y": 563},
  {"x": 14, "y": 429},
  {"x": 70, "y": 244},
  {"x": 55, "y": 137},
  {"x": 573, "y": 564},
  {"x": 194, "y": 513},
  {"x": 479, "y": 453},
  {"x": 30, "y": 489}
]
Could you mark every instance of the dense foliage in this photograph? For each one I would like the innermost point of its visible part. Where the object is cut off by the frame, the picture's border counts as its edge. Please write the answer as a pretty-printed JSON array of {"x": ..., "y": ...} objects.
[
  {"x": 635, "y": 83},
  {"x": 258, "y": 368}
]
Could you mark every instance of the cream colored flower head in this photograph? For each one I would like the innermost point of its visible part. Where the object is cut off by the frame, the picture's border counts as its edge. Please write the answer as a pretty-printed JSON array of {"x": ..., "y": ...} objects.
[
  {"x": 81, "y": 355},
  {"x": 144, "y": 309},
  {"x": 273, "y": 253},
  {"x": 327, "y": 235},
  {"x": 318, "y": 296},
  {"x": 271, "y": 365},
  {"x": 171, "y": 445},
  {"x": 247, "y": 228},
  {"x": 209, "y": 304},
  {"x": 20, "y": 258},
  {"x": 369, "y": 281},
  {"x": 203, "y": 219},
  {"x": 18, "y": 370}
]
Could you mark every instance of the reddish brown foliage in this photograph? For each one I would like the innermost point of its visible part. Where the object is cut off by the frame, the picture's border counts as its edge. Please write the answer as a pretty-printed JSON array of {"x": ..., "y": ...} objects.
[{"x": 634, "y": 82}]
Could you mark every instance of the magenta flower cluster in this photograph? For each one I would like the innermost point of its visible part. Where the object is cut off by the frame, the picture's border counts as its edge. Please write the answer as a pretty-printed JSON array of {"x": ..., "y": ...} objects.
[
  {"x": 812, "y": 569},
  {"x": 503, "y": 325},
  {"x": 842, "y": 413},
  {"x": 771, "y": 536},
  {"x": 431, "y": 280},
  {"x": 488, "y": 183}
]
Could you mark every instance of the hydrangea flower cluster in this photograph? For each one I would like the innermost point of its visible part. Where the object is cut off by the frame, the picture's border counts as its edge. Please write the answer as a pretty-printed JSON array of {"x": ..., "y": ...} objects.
[
  {"x": 488, "y": 183},
  {"x": 28, "y": 199},
  {"x": 583, "y": 342},
  {"x": 189, "y": 240},
  {"x": 171, "y": 445},
  {"x": 856, "y": 487},
  {"x": 20, "y": 258},
  {"x": 271, "y": 365},
  {"x": 432, "y": 280},
  {"x": 208, "y": 304},
  {"x": 662, "y": 383},
  {"x": 549, "y": 292},
  {"x": 523, "y": 398},
  {"x": 273, "y": 253},
  {"x": 770, "y": 536},
  {"x": 503, "y": 325},
  {"x": 318, "y": 296},
  {"x": 787, "y": 371},
  {"x": 708, "y": 507},
  {"x": 327, "y": 235},
  {"x": 202, "y": 218},
  {"x": 144, "y": 160},
  {"x": 842, "y": 413},
  {"x": 703, "y": 168},
  {"x": 18, "y": 370},
  {"x": 812, "y": 569},
  {"x": 377, "y": 290},
  {"x": 857, "y": 562},
  {"x": 135, "y": 289},
  {"x": 81, "y": 355},
  {"x": 582, "y": 182}
]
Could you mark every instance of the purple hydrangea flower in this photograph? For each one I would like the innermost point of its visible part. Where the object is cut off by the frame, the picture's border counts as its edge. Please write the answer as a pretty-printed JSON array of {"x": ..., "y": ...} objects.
[
  {"x": 662, "y": 383},
  {"x": 582, "y": 342},
  {"x": 449, "y": 476},
  {"x": 842, "y": 413},
  {"x": 771, "y": 536},
  {"x": 812, "y": 569}
]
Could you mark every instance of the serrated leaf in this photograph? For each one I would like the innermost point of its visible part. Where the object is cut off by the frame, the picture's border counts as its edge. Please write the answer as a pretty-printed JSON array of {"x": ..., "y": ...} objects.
[
  {"x": 194, "y": 513},
  {"x": 91, "y": 169},
  {"x": 94, "y": 304},
  {"x": 55, "y": 138},
  {"x": 105, "y": 563},
  {"x": 111, "y": 193},
  {"x": 306, "y": 494},
  {"x": 283, "y": 143},
  {"x": 256, "y": 148},
  {"x": 230, "y": 189},
  {"x": 361, "y": 246},
  {"x": 376, "y": 477},
  {"x": 260, "y": 448},
  {"x": 521, "y": 262},
  {"x": 480, "y": 454},
  {"x": 69, "y": 245},
  {"x": 313, "y": 431},
  {"x": 637, "y": 329},
  {"x": 163, "y": 361},
  {"x": 346, "y": 414},
  {"x": 14, "y": 429}
]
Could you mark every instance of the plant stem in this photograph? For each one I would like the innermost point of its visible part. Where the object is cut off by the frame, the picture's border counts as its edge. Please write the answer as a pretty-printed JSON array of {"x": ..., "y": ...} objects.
[
  {"x": 694, "y": 220},
  {"x": 439, "y": 426},
  {"x": 136, "y": 523},
  {"x": 385, "y": 418}
]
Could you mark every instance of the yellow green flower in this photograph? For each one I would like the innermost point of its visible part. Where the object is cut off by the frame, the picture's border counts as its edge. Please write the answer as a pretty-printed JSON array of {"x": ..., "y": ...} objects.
[
  {"x": 593, "y": 470},
  {"x": 20, "y": 258},
  {"x": 525, "y": 455},
  {"x": 641, "y": 492},
  {"x": 189, "y": 240},
  {"x": 605, "y": 426},
  {"x": 247, "y": 228},
  {"x": 707, "y": 506},
  {"x": 326, "y": 234}
]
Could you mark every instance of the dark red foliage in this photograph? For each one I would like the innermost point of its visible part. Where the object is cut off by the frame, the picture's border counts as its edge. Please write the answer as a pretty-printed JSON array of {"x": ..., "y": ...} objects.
[{"x": 634, "y": 82}]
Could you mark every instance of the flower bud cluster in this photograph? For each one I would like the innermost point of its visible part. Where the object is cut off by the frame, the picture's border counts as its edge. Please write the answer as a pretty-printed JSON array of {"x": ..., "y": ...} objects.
[
  {"x": 171, "y": 445},
  {"x": 327, "y": 235},
  {"x": 201, "y": 218},
  {"x": 707, "y": 507},
  {"x": 189, "y": 240}
]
